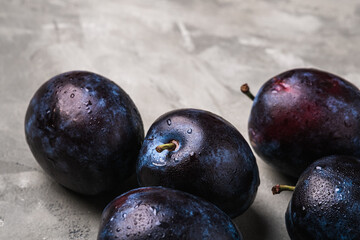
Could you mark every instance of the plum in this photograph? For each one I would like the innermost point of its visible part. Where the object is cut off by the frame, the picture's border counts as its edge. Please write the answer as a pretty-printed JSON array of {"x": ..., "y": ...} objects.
[
  {"x": 84, "y": 131},
  {"x": 201, "y": 153},
  {"x": 301, "y": 115},
  {"x": 161, "y": 213},
  {"x": 326, "y": 201}
]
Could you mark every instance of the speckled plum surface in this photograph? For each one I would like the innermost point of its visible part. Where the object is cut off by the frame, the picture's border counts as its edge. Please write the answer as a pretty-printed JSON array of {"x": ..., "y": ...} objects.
[
  {"x": 84, "y": 131},
  {"x": 156, "y": 213},
  {"x": 326, "y": 201},
  {"x": 212, "y": 159}
]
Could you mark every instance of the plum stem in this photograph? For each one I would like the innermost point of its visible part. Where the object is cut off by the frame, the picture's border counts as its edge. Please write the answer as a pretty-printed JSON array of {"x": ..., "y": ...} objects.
[
  {"x": 277, "y": 189},
  {"x": 171, "y": 146},
  {"x": 245, "y": 89}
]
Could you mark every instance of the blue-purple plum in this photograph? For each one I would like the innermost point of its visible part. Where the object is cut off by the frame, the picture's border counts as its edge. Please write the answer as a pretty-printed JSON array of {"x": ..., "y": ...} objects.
[
  {"x": 199, "y": 152},
  {"x": 154, "y": 213},
  {"x": 84, "y": 131},
  {"x": 302, "y": 115},
  {"x": 326, "y": 201}
]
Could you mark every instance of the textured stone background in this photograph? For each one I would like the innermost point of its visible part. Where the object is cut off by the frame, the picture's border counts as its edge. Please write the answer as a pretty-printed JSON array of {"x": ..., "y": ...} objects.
[{"x": 166, "y": 54}]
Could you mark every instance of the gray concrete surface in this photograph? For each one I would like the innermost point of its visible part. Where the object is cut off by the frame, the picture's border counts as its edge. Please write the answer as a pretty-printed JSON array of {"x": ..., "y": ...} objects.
[{"x": 166, "y": 54}]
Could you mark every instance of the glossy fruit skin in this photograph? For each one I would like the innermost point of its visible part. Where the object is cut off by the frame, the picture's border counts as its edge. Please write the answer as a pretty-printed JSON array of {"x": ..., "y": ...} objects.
[
  {"x": 162, "y": 213},
  {"x": 302, "y": 115},
  {"x": 326, "y": 201},
  {"x": 84, "y": 131},
  {"x": 213, "y": 160}
]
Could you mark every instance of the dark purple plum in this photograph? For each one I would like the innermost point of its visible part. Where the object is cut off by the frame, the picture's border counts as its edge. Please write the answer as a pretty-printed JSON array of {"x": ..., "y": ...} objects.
[
  {"x": 303, "y": 114},
  {"x": 326, "y": 201},
  {"x": 84, "y": 131},
  {"x": 161, "y": 213},
  {"x": 201, "y": 153}
]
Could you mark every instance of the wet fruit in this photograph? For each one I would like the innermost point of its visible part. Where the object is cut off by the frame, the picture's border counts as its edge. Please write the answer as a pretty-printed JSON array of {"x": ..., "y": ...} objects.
[
  {"x": 161, "y": 213},
  {"x": 84, "y": 131},
  {"x": 326, "y": 201},
  {"x": 303, "y": 114},
  {"x": 201, "y": 153}
]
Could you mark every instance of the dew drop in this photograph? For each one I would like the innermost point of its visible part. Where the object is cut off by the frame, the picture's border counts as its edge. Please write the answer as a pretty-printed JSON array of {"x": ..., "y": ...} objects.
[
  {"x": 89, "y": 112},
  {"x": 124, "y": 215},
  {"x": 154, "y": 210},
  {"x": 118, "y": 229},
  {"x": 168, "y": 122},
  {"x": 48, "y": 111},
  {"x": 176, "y": 160},
  {"x": 303, "y": 208},
  {"x": 318, "y": 168},
  {"x": 128, "y": 227},
  {"x": 159, "y": 162},
  {"x": 72, "y": 95},
  {"x": 138, "y": 204},
  {"x": 192, "y": 154},
  {"x": 189, "y": 131}
]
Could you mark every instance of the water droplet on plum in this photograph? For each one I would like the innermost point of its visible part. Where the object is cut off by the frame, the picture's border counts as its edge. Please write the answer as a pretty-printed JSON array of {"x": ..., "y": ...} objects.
[{"x": 159, "y": 162}]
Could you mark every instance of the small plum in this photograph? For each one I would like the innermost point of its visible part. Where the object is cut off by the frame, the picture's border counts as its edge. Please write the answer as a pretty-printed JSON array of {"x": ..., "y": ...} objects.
[
  {"x": 326, "y": 201},
  {"x": 84, "y": 131},
  {"x": 161, "y": 213},
  {"x": 199, "y": 152},
  {"x": 302, "y": 115}
]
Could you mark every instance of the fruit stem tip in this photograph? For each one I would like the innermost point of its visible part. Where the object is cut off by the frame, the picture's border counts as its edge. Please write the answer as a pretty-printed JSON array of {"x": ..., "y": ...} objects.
[
  {"x": 245, "y": 89},
  {"x": 277, "y": 189}
]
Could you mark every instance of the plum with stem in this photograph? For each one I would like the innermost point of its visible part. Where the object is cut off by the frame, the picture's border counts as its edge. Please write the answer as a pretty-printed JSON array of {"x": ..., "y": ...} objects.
[{"x": 301, "y": 115}]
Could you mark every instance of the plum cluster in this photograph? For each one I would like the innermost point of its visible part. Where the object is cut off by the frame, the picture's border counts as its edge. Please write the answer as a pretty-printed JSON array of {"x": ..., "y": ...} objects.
[
  {"x": 87, "y": 134},
  {"x": 194, "y": 169},
  {"x": 306, "y": 123}
]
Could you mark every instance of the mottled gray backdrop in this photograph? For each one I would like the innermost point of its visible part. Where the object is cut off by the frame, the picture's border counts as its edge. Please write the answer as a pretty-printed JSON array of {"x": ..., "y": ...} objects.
[{"x": 166, "y": 54}]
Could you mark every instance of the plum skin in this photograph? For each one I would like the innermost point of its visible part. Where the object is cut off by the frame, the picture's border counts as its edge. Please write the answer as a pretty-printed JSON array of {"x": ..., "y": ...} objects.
[
  {"x": 302, "y": 115},
  {"x": 161, "y": 213},
  {"x": 212, "y": 161},
  {"x": 84, "y": 131},
  {"x": 326, "y": 201}
]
